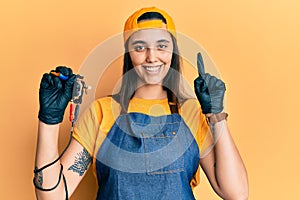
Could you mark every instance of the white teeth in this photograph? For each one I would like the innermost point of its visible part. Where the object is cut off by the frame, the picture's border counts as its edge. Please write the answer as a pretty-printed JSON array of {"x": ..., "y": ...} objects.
[{"x": 152, "y": 69}]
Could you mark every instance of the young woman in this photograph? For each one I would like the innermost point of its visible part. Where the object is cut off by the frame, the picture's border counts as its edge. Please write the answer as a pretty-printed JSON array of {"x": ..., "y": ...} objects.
[{"x": 149, "y": 140}]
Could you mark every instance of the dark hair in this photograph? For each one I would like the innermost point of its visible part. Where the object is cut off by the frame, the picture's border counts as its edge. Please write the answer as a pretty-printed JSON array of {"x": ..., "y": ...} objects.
[
  {"x": 151, "y": 15},
  {"x": 170, "y": 82}
]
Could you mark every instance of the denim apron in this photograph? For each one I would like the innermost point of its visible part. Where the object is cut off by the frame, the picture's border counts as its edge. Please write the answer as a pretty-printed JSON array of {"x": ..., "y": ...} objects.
[{"x": 147, "y": 157}]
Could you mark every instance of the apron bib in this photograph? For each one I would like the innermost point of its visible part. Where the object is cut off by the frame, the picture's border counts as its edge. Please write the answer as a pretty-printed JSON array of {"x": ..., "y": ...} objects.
[{"x": 146, "y": 157}]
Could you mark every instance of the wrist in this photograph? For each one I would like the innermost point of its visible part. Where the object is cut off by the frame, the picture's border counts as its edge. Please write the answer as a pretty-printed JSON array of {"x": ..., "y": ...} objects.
[
  {"x": 44, "y": 124},
  {"x": 213, "y": 118},
  {"x": 48, "y": 129}
]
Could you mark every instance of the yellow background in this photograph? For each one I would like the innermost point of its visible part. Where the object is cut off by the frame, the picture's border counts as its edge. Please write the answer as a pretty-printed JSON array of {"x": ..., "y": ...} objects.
[{"x": 255, "y": 44}]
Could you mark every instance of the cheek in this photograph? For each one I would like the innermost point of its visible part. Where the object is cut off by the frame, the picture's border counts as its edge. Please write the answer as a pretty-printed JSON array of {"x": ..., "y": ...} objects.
[
  {"x": 166, "y": 57},
  {"x": 136, "y": 58}
]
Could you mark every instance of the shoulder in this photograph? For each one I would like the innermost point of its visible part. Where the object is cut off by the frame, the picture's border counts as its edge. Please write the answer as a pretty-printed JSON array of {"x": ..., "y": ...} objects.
[
  {"x": 190, "y": 105},
  {"x": 97, "y": 108},
  {"x": 104, "y": 102},
  {"x": 106, "y": 107},
  {"x": 191, "y": 112}
]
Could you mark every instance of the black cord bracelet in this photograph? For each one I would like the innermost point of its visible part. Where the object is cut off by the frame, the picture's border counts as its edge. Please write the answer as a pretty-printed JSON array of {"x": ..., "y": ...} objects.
[{"x": 49, "y": 189}]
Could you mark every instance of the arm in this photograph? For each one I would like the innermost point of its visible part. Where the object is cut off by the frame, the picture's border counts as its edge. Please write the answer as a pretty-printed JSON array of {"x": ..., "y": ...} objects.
[
  {"x": 224, "y": 167},
  {"x": 47, "y": 151},
  {"x": 52, "y": 171}
]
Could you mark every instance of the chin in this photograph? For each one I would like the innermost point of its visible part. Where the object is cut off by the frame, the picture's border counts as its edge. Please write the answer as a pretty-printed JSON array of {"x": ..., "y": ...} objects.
[{"x": 151, "y": 82}]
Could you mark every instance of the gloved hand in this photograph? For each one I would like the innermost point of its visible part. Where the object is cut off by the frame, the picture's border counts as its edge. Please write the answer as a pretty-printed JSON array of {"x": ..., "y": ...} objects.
[
  {"x": 209, "y": 90},
  {"x": 54, "y": 95}
]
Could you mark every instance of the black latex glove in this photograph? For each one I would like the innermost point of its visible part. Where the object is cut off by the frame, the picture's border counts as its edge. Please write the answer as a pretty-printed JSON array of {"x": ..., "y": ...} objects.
[
  {"x": 54, "y": 95},
  {"x": 209, "y": 90}
]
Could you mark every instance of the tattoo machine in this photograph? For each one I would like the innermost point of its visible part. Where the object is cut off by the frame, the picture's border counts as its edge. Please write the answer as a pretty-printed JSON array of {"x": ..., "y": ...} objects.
[{"x": 79, "y": 89}]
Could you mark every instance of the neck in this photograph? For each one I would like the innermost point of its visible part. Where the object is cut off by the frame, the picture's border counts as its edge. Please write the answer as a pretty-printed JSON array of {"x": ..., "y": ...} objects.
[{"x": 148, "y": 91}]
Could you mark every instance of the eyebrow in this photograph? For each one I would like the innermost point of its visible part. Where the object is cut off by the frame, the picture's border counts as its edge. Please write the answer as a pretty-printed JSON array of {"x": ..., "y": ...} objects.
[
  {"x": 163, "y": 40},
  {"x": 138, "y": 42},
  {"x": 143, "y": 42}
]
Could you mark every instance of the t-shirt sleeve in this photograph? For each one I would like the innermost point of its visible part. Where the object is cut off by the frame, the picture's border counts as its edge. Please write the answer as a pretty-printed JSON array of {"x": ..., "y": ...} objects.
[{"x": 87, "y": 127}]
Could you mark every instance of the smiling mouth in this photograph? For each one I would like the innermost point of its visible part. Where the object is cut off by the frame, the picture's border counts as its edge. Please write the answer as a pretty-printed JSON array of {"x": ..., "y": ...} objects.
[{"x": 152, "y": 69}]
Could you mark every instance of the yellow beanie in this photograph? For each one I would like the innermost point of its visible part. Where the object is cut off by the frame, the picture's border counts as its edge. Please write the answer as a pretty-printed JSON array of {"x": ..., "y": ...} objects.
[{"x": 132, "y": 25}]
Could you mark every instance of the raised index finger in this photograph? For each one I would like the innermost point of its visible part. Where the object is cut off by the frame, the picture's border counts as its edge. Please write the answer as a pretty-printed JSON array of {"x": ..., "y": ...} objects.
[{"x": 200, "y": 64}]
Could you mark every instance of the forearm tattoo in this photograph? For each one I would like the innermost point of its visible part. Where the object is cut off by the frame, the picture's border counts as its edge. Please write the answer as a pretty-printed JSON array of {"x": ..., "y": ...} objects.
[
  {"x": 81, "y": 163},
  {"x": 38, "y": 178}
]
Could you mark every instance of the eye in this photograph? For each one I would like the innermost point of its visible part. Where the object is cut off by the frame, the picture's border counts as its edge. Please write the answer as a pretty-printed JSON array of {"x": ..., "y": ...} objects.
[
  {"x": 139, "y": 48},
  {"x": 162, "y": 46}
]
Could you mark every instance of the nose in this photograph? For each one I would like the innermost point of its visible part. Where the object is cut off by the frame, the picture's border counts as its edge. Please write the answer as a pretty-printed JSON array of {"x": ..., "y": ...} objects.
[{"x": 151, "y": 55}]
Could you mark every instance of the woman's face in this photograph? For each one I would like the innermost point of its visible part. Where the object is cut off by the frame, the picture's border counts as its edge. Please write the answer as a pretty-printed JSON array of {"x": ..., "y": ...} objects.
[{"x": 151, "y": 53}]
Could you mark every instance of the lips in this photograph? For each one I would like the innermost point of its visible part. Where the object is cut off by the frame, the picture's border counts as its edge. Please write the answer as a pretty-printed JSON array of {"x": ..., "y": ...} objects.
[{"x": 152, "y": 69}]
